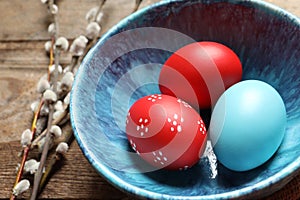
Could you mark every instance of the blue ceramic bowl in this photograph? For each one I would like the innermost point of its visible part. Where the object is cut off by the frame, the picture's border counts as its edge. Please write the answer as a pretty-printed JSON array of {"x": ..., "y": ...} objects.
[{"x": 124, "y": 66}]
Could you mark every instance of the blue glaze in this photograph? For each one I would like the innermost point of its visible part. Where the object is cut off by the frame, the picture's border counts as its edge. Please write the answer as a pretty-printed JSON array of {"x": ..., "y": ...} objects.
[
  {"x": 247, "y": 125},
  {"x": 265, "y": 37}
]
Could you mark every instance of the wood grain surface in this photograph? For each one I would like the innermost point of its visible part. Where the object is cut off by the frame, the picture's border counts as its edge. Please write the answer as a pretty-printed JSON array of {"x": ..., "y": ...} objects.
[{"x": 23, "y": 32}]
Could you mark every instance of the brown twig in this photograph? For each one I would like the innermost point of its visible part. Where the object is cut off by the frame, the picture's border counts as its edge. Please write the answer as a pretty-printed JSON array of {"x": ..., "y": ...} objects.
[
  {"x": 137, "y": 5},
  {"x": 39, "y": 173},
  {"x": 99, "y": 9},
  {"x": 56, "y": 62},
  {"x": 51, "y": 58},
  {"x": 51, "y": 166},
  {"x": 54, "y": 160}
]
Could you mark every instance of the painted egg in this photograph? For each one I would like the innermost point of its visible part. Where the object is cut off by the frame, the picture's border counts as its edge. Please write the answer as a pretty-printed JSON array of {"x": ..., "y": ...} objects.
[
  {"x": 200, "y": 72},
  {"x": 166, "y": 132},
  {"x": 247, "y": 125}
]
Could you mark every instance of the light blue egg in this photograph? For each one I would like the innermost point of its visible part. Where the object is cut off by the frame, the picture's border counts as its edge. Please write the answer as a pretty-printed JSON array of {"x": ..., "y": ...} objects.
[{"x": 247, "y": 125}]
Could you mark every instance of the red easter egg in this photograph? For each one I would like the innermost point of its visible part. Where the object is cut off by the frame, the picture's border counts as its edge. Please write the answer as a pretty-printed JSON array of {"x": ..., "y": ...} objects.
[
  {"x": 166, "y": 132},
  {"x": 200, "y": 72}
]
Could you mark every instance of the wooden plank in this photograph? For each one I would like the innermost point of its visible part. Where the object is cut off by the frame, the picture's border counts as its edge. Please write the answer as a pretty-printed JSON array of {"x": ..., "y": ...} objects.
[
  {"x": 32, "y": 19},
  {"x": 146, "y": 3},
  {"x": 28, "y": 20},
  {"x": 114, "y": 11},
  {"x": 291, "y": 6},
  {"x": 17, "y": 91},
  {"x": 76, "y": 179},
  {"x": 27, "y": 55}
]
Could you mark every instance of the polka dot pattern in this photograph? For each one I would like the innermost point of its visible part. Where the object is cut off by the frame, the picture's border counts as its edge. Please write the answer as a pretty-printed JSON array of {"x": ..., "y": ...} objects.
[
  {"x": 142, "y": 128},
  {"x": 175, "y": 123},
  {"x": 153, "y": 98},
  {"x": 159, "y": 157}
]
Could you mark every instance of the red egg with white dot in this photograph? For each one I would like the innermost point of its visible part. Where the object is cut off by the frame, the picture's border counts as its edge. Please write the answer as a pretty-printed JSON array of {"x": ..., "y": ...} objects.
[{"x": 166, "y": 132}]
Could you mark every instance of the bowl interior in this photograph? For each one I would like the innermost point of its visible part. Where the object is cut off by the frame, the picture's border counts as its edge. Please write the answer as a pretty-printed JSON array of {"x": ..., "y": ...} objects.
[{"x": 125, "y": 64}]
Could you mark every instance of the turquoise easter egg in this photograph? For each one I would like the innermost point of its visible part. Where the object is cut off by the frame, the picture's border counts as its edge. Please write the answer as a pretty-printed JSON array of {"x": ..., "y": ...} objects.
[{"x": 247, "y": 125}]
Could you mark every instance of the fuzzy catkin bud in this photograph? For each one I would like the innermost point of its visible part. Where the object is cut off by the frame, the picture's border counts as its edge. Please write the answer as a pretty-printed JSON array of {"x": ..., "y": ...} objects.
[
  {"x": 42, "y": 85},
  {"x": 57, "y": 114},
  {"x": 29, "y": 163},
  {"x": 34, "y": 168},
  {"x": 62, "y": 43},
  {"x": 67, "y": 80},
  {"x": 26, "y": 138},
  {"x": 90, "y": 15},
  {"x": 56, "y": 131},
  {"x": 51, "y": 29},
  {"x": 78, "y": 46},
  {"x": 58, "y": 106},
  {"x": 67, "y": 99},
  {"x": 66, "y": 69},
  {"x": 21, "y": 187},
  {"x": 48, "y": 46},
  {"x": 44, "y": 1},
  {"x": 62, "y": 148},
  {"x": 34, "y": 106},
  {"x": 99, "y": 17},
  {"x": 93, "y": 30},
  {"x": 31, "y": 166},
  {"x": 59, "y": 69},
  {"x": 54, "y": 9},
  {"x": 59, "y": 87},
  {"x": 49, "y": 95}
]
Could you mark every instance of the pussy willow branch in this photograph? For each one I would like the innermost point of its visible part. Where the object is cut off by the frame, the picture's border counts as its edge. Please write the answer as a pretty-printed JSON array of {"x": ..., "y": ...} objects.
[
  {"x": 39, "y": 173},
  {"x": 77, "y": 59},
  {"x": 53, "y": 161},
  {"x": 33, "y": 125},
  {"x": 69, "y": 134},
  {"x": 27, "y": 148},
  {"x": 92, "y": 42}
]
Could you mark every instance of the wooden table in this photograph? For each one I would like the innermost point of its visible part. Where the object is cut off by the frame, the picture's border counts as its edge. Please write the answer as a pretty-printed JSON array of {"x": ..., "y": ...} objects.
[{"x": 23, "y": 32}]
